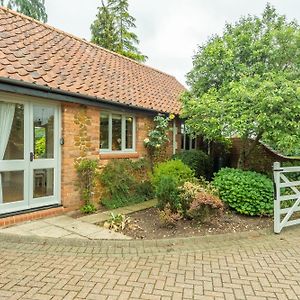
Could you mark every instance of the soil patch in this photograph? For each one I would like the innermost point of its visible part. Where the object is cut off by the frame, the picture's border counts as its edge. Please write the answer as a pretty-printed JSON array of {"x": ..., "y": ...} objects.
[{"x": 146, "y": 224}]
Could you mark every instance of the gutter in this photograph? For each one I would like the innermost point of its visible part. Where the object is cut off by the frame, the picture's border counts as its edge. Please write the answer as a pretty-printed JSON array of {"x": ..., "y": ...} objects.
[{"x": 31, "y": 89}]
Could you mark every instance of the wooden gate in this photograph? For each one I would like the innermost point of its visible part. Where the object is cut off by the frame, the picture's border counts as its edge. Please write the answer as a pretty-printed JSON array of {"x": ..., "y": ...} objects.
[{"x": 287, "y": 197}]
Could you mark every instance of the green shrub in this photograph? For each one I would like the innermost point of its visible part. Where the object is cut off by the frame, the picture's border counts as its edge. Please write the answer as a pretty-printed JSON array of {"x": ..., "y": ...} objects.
[
  {"x": 199, "y": 200},
  {"x": 167, "y": 193},
  {"x": 167, "y": 178},
  {"x": 88, "y": 208},
  {"x": 176, "y": 169},
  {"x": 125, "y": 182},
  {"x": 198, "y": 161},
  {"x": 247, "y": 192},
  {"x": 87, "y": 173}
]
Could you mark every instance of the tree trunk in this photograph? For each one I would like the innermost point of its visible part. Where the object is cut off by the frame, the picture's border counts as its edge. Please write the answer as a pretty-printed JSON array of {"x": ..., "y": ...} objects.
[{"x": 242, "y": 155}]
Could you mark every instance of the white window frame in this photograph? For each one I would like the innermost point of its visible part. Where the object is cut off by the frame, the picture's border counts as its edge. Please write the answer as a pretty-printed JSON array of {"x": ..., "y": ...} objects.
[
  {"x": 123, "y": 132},
  {"x": 183, "y": 145}
]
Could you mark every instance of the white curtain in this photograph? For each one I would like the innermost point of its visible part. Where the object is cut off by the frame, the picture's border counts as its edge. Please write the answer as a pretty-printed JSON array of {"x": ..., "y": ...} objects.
[{"x": 7, "y": 112}]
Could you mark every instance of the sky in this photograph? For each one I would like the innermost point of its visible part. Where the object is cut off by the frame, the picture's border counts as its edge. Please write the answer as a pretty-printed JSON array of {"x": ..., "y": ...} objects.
[{"x": 169, "y": 30}]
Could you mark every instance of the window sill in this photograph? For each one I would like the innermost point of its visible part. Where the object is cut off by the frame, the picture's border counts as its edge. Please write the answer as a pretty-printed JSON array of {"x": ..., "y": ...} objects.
[{"x": 120, "y": 155}]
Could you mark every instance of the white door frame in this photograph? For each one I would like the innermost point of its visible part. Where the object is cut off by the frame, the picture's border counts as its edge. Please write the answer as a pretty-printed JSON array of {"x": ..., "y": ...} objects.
[
  {"x": 26, "y": 165},
  {"x": 45, "y": 163}
]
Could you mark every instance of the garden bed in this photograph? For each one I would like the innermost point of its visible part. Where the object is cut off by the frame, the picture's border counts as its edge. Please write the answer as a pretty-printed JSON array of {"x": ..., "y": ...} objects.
[{"x": 146, "y": 224}]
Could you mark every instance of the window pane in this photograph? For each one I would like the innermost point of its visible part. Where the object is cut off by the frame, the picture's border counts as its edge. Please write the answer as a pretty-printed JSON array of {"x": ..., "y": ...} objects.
[
  {"x": 129, "y": 132},
  {"x": 104, "y": 131},
  {"x": 194, "y": 143},
  {"x": 43, "y": 119},
  {"x": 182, "y": 141},
  {"x": 116, "y": 132},
  {"x": 43, "y": 183},
  {"x": 12, "y": 186},
  {"x": 15, "y": 144},
  {"x": 182, "y": 128},
  {"x": 187, "y": 142}
]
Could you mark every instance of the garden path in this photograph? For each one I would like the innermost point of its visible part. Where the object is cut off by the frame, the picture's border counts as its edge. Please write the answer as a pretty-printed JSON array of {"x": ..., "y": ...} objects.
[{"x": 232, "y": 266}]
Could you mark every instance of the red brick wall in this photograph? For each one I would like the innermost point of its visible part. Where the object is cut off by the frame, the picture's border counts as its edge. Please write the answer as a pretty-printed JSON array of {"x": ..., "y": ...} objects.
[
  {"x": 81, "y": 132},
  {"x": 260, "y": 160}
]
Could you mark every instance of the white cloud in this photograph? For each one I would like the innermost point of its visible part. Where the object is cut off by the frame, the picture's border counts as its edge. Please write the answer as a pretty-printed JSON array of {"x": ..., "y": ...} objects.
[{"x": 169, "y": 31}]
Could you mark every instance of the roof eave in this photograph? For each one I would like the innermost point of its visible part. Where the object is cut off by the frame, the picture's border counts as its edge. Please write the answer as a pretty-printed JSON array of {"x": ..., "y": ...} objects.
[{"x": 46, "y": 92}]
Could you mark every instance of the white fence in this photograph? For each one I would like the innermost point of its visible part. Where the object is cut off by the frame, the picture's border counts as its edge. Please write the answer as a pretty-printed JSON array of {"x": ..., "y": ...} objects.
[{"x": 287, "y": 197}]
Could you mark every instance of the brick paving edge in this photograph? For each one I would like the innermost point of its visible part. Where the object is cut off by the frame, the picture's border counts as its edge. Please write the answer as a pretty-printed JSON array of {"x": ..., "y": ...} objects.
[{"x": 204, "y": 242}]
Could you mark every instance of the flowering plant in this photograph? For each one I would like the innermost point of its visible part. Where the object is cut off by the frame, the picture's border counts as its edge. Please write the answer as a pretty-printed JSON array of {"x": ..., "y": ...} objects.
[{"x": 158, "y": 137}]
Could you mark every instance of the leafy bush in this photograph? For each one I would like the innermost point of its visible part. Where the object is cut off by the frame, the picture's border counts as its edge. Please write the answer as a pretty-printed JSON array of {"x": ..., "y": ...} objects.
[
  {"x": 198, "y": 161},
  {"x": 88, "y": 208},
  {"x": 167, "y": 178},
  {"x": 199, "y": 200},
  {"x": 167, "y": 193},
  {"x": 87, "y": 173},
  {"x": 125, "y": 182},
  {"x": 158, "y": 138},
  {"x": 168, "y": 218},
  {"x": 176, "y": 169},
  {"x": 247, "y": 192}
]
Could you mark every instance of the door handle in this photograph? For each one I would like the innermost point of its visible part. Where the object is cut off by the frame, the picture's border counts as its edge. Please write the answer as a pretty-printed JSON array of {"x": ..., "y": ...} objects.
[{"x": 31, "y": 156}]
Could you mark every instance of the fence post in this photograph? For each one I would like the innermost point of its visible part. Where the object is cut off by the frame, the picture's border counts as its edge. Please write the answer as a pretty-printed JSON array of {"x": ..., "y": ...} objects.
[{"x": 277, "y": 206}]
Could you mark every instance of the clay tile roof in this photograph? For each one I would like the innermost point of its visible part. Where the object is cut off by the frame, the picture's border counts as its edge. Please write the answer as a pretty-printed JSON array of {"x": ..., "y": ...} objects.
[{"x": 36, "y": 53}]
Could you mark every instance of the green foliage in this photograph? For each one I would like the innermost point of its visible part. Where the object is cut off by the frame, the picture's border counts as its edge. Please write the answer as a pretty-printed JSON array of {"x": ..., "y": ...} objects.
[
  {"x": 117, "y": 222},
  {"x": 247, "y": 192},
  {"x": 40, "y": 147},
  {"x": 32, "y": 8},
  {"x": 199, "y": 200},
  {"x": 167, "y": 193},
  {"x": 88, "y": 208},
  {"x": 198, "y": 161},
  {"x": 172, "y": 168},
  {"x": 87, "y": 172},
  {"x": 103, "y": 29},
  {"x": 111, "y": 29},
  {"x": 157, "y": 138},
  {"x": 246, "y": 83},
  {"x": 167, "y": 178},
  {"x": 125, "y": 182}
]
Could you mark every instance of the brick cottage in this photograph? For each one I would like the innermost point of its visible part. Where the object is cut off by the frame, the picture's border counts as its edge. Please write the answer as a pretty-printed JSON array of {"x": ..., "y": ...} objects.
[{"x": 62, "y": 98}]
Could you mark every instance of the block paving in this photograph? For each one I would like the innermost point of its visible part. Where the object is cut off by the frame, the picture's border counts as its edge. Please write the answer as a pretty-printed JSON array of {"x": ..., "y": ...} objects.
[{"x": 257, "y": 265}]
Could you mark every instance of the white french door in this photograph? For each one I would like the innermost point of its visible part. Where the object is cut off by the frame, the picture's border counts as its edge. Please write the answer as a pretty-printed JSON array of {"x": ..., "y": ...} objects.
[{"x": 29, "y": 154}]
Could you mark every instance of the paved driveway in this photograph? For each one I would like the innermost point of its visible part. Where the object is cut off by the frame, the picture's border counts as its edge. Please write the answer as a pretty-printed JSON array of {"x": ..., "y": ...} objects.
[{"x": 246, "y": 266}]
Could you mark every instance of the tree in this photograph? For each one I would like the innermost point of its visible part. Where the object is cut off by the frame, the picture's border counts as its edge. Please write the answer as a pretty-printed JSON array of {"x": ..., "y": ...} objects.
[
  {"x": 245, "y": 84},
  {"x": 103, "y": 29},
  {"x": 32, "y": 8},
  {"x": 111, "y": 29}
]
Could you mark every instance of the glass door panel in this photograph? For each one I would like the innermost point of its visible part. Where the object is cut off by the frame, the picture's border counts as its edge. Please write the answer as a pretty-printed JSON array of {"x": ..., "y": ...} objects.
[
  {"x": 43, "y": 185},
  {"x": 43, "y": 124},
  {"x": 29, "y": 135},
  {"x": 13, "y": 185},
  {"x": 44, "y": 164},
  {"x": 15, "y": 145}
]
